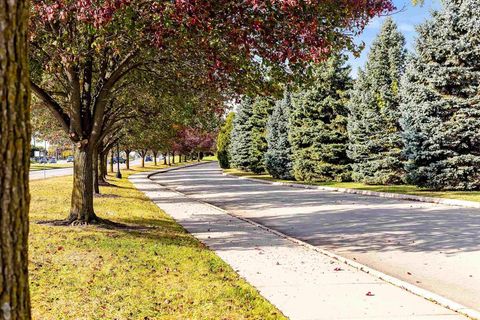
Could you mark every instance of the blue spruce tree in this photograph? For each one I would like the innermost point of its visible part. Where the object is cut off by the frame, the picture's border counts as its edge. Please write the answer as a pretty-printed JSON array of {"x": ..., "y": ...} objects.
[
  {"x": 373, "y": 126},
  {"x": 440, "y": 100},
  {"x": 278, "y": 158}
]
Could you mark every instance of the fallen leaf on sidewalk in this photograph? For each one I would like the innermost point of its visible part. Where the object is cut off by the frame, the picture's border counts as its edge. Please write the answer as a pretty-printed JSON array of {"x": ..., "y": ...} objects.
[
  {"x": 369, "y": 294},
  {"x": 338, "y": 269}
]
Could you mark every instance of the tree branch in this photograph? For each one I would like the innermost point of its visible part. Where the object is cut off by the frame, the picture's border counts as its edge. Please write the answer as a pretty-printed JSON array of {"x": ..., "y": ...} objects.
[{"x": 53, "y": 106}]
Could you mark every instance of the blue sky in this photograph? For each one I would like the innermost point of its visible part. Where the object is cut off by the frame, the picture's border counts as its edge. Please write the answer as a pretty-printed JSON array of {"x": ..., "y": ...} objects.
[{"x": 407, "y": 18}]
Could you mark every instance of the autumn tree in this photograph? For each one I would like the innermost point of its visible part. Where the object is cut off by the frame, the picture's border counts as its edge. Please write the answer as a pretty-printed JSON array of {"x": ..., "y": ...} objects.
[
  {"x": 15, "y": 160},
  {"x": 80, "y": 51}
]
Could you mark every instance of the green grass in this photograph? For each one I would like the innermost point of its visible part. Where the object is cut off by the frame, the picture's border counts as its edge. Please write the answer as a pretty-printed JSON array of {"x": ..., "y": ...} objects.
[
  {"x": 402, "y": 189},
  {"x": 157, "y": 273},
  {"x": 210, "y": 158},
  {"x": 49, "y": 166}
]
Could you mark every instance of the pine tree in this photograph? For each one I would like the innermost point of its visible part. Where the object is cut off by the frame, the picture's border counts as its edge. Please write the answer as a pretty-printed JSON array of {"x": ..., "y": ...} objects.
[
  {"x": 224, "y": 141},
  {"x": 278, "y": 158},
  {"x": 318, "y": 124},
  {"x": 261, "y": 109},
  {"x": 241, "y": 136},
  {"x": 374, "y": 132},
  {"x": 440, "y": 102}
]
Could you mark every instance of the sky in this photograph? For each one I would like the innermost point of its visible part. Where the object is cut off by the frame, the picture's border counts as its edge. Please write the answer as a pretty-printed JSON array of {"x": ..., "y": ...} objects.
[{"x": 407, "y": 17}]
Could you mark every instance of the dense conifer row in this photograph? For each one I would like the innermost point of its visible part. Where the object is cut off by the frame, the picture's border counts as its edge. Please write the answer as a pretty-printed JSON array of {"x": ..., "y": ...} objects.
[{"x": 403, "y": 120}]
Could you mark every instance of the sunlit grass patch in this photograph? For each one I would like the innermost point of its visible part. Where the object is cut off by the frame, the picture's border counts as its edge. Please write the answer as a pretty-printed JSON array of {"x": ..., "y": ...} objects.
[{"x": 156, "y": 272}]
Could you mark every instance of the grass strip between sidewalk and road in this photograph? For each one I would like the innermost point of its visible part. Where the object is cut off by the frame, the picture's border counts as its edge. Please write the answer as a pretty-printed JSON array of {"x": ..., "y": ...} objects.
[
  {"x": 49, "y": 166},
  {"x": 158, "y": 272},
  {"x": 400, "y": 189}
]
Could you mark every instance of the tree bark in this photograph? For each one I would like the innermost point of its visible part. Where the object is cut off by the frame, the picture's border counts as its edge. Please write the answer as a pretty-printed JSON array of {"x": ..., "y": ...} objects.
[
  {"x": 165, "y": 159},
  {"x": 143, "y": 161},
  {"x": 198, "y": 156},
  {"x": 155, "y": 154},
  {"x": 14, "y": 160},
  {"x": 111, "y": 161},
  {"x": 103, "y": 167},
  {"x": 185, "y": 158},
  {"x": 95, "y": 163},
  {"x": 82, "y": 195},
  {"x": 169, "y": 160},
  {"x": 173, "y": 157},
  {"x": 127, "y": 158}
]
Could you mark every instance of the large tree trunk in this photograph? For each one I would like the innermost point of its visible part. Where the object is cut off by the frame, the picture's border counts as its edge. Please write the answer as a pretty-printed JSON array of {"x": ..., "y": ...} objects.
[
  {"x": 169, "y": 160},
  {"x": 81, "y": 209},
  {"x": 185, "y": 158},
  {"x": 143, "y": 160},
  {"x": 96, "y": 187},
  {"x": 165, "y": 159},
  {"x": 14, "y": 160},
  {"x": 173, "y": 157},
  {"x": 127, "y": 159},
  {"x": 155, "y": 154}
]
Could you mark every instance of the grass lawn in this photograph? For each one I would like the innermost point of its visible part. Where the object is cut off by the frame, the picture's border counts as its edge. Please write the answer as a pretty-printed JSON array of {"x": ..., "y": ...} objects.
[
  {"x": 154, "y": 273},
  {"x": 210, "y": 158},
  {"x": 49, "y": 166},
  {"x": 404, "y": 189}
]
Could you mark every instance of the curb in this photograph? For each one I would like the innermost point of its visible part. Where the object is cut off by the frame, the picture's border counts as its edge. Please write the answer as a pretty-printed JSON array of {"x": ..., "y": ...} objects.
[
  {"x": 428, "y": 295},
  {"x": 398, "y": 196}
]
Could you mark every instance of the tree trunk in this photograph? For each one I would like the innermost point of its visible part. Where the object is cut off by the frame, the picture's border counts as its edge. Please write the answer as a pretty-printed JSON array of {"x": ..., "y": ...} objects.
[
  {"x": 143, "y": 160},
  {"x": 14, "y": 160},
  {"x": 173, "y": 157},
  {"x": 185, "y": 159},
  {"x": 179, "y": 158},
  {"x": 165, "y": 159},
  {"x": 198, "y": 156},
  {"x": 96, "y": 187},
  {"x": 111, "y": 160},
  {"x": 103, "y": 167},
  {"x": 127, "y": 159},
  {"x": 81, "y": 209},
  {"x": 169, "y": 161},
  {"x": 155, "y": 154}
]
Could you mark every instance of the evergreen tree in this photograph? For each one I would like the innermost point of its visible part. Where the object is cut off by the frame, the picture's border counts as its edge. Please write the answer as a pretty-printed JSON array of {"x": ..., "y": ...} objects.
[
  {"x": 224, "y": 141},
  {"x": 241, "y": 136},
  {"x": 318, "y": 124},
  {"x": 261, "y": 109},
  {"x": 278, "y": 158},
  {"x": 440, "y": 102},
  {"x": 374, "y": 132}
]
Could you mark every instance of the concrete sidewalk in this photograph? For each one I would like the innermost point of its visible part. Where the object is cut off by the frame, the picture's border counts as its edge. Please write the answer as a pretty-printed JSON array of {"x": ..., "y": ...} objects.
[{"x": 301, "y": 282}]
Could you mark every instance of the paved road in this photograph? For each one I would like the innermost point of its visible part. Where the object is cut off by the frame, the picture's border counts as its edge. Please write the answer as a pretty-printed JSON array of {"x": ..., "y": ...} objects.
[
  {"x": 436, "y": 247},
  {"x": 303, "y": 283},
  {"x": 43, "y": 174}
]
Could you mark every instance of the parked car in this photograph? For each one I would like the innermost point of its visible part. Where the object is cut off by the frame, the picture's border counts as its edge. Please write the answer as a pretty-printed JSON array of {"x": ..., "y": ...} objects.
[
  {"x": 52, "y": 160},
  {"x": 148, "y": 158},
  {"x": 121, "y": 160},
  {"x": 70, "y": 159},
  {"x": 42, "y": 160}
]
